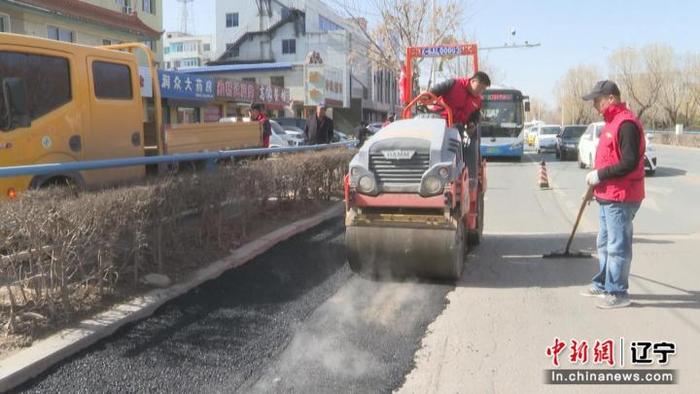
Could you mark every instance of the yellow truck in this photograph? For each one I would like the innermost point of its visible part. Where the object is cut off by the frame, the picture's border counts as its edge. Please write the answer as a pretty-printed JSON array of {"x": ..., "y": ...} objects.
[{"x": 63, "y": 102}]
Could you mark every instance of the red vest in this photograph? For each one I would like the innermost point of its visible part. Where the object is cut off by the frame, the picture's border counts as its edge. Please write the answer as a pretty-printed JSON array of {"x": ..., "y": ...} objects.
[
  {"x": 462, "y": 102},
  {"x": 629, "y": 188},
  {"x": 266, "y": 137}
]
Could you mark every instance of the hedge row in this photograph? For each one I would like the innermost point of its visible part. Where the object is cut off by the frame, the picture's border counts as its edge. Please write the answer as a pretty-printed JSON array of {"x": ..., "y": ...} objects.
[{"x": 63, "y": 254}]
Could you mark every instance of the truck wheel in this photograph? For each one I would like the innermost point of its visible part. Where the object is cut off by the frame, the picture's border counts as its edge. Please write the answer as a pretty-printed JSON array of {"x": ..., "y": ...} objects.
[{"x": 474, "y": 236}]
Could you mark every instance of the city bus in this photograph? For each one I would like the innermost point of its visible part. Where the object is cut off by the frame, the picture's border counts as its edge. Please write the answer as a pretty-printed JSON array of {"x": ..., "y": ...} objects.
[{"x": 502, "y": 120}]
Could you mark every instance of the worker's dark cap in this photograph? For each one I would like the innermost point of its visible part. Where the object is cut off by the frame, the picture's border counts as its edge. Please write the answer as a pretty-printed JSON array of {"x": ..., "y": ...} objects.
[
  {"x": 603, "y": 88},
  {"x": 258, "y": 106}
]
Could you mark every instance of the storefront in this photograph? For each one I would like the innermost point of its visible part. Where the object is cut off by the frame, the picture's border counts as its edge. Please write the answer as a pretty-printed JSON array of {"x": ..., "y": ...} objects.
[
  {"x": 188, "y": 98},
  {"x": 240, "y": 94}
]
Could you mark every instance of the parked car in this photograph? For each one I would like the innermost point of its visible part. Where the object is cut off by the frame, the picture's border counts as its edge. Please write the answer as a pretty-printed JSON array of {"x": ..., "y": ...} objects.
[
  {"x": 280, "y": 138},
  {"x": 296, "y": 122},
  {"x": 293, "y": 131},
  {"x": 339, "y": 136},
  {"x": 567, "y": 141},
  {"x": 374, "y": 127},
  {"x": 546, "y": 139},
  {"x": 589, "y": 143}
]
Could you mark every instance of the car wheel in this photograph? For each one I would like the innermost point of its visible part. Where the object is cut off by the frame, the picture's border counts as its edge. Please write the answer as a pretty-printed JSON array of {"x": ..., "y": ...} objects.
[
  {"x": 590, "y": 161},
  {"x": 557, "y": 155},
  {"x": 581, "y": 165},
  {"x": 650, "y": 172}
]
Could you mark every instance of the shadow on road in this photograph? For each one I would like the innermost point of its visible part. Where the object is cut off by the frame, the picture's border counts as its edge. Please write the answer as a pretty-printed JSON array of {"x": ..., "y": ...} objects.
[
  {"x": 652, "y": 241},
  {"x": 668, "y": 172},
  {"x": 689, "y": 299},
  {"x": 509, "y": 261}
]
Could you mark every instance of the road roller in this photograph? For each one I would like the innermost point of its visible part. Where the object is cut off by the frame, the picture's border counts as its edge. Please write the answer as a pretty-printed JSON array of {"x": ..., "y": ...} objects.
[{"x": 412, "y": 206}]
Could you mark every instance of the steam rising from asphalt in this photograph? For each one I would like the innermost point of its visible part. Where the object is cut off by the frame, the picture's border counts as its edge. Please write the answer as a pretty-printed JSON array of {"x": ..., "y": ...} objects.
[{"x": 329, "y": 345}]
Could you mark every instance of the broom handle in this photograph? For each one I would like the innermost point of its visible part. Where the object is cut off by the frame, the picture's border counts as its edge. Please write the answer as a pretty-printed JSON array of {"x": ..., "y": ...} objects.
[{"x": 586, "y": 198}]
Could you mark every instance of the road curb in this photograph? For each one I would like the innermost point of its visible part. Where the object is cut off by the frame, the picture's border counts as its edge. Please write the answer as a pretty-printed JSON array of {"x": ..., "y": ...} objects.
[{"x": 44, "y": 353}]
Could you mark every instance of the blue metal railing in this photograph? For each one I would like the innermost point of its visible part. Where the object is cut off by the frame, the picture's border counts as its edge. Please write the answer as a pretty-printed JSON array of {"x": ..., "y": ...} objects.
[{"x": 60, "y": 168}]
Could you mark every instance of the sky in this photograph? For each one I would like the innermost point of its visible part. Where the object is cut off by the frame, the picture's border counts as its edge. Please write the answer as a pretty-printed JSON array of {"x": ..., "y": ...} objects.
[{"x": 570, "y": 33}]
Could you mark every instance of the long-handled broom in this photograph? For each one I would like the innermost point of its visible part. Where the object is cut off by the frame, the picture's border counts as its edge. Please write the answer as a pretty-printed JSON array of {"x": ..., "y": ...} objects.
[{"x": 577, "y": 254}]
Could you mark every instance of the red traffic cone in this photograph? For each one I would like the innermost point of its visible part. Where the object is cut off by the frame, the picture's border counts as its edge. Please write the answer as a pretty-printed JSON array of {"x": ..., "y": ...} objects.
[{"x": 543, "y": 180}]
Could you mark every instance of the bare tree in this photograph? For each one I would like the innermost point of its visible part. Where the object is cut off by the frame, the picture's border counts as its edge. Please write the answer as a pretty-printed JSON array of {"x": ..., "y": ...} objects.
[
  {"x": 402, "y": 23},
  {"x": 569, "y": 91},
  {"x": 541, "y": 110},
  {"x": 640, "y": 74},
  {"x": 691, "y": 81}
]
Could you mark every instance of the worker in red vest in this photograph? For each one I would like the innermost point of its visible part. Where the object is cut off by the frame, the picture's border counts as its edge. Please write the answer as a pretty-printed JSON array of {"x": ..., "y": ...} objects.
[
  {"x": 257, "y": 112},
  {"x": 463, "y": 96},
  {"x": 618, "y": 182}
]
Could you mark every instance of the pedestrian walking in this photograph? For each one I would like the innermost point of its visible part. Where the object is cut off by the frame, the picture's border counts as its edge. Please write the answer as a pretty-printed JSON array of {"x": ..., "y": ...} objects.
[
  {"x": 319, "y": 127},
  {"x": 361, "y": 132}
]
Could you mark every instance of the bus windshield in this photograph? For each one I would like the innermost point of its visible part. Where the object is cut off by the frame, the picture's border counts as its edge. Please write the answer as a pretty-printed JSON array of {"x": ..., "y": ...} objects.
[
  {"x": 501, "y": 112},
  {"x": 501, "y": 119}
]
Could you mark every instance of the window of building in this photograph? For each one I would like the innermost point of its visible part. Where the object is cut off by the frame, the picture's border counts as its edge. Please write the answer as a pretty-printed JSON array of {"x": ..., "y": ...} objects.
[
  {"x": 176, "y": 47},
  {"x": 285, "y": 12},
  {"x": 4, "y": 23},
  {"x": 248, "y": 79},
  {"x": 232, "y": 19},
  {"x": 166, "y": 50},
  {"x": 325, "y": 24},
  {"x": 289, "y": 46},
  {"x": 149, "y": 6},
  {"x": 112, "y": 80},
  {"x": 151, "y": 44},
  {"x": 46, "y": 78},
  {"x": 190, "y": 62},
  {"x": 206, "y": 47},
  {"x": 106, "y": 42},
  {"x": 125, "y": 4},
  {"x": 277, "y": 81},
  {"x": 234, "y": 50},
  {"x": 61, "y": 34}
]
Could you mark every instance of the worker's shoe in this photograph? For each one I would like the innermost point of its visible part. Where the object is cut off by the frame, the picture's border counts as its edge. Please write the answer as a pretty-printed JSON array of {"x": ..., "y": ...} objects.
[
  {"x": 613, "y": 301},
  {"x": 593, "y": 292}
]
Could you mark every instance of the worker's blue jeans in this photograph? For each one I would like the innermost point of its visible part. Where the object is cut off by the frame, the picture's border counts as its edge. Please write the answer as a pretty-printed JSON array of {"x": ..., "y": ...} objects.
[{"x": 615, "y": 247}]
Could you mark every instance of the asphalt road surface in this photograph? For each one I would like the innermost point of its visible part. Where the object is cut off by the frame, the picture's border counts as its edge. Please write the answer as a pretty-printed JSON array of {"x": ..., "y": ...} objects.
[{"x": 297, "y": 320}]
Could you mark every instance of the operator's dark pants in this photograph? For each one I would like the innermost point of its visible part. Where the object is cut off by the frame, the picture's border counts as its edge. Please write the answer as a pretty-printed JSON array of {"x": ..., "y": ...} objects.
[{"x": 471, "y": 152}]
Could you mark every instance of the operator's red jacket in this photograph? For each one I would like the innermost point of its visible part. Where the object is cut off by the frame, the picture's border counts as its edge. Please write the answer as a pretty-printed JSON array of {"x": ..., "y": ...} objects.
[{"x": 465, "y": 106}]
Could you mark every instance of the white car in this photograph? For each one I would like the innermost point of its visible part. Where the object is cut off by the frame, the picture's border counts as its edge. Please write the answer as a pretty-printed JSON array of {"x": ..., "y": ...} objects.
[
  {"x": 546, "y": 137},
  {"x": 293, "y": 131},
  {"x": 589, "y": 143},
  {"x": 280, "y": 139}
]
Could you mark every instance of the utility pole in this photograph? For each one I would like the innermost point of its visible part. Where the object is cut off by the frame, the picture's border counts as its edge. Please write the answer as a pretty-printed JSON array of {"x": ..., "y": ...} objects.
[{"x": 185, "y": 15}]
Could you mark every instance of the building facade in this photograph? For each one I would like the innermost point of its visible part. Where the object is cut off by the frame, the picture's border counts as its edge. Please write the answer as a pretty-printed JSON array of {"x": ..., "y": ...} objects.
[
  {"x": 324, "y": 52},
  {"x": 89, "y": 22},
  {"x": 182, "y": 51}
]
